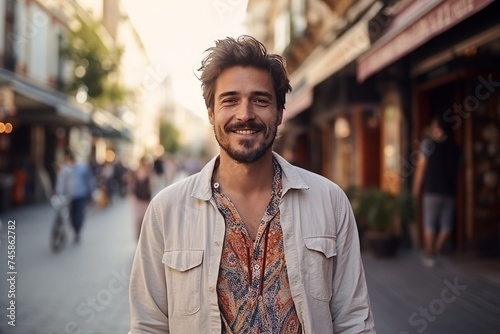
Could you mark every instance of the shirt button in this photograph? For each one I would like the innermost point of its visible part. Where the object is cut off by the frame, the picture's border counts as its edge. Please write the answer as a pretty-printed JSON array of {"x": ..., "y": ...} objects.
[
  {"x": 217, "y": 243},
  {"x": 256, "y": 267},
  {"x": 211, "y": 290}
]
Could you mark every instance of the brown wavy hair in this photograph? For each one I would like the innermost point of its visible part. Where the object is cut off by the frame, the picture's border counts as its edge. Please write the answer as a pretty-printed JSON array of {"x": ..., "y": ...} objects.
[{"x": 243, "y": 51}]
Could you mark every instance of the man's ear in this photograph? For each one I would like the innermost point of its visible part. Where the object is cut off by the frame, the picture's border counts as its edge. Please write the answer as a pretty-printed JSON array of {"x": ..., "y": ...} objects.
[{"x": 211, "y": 115}]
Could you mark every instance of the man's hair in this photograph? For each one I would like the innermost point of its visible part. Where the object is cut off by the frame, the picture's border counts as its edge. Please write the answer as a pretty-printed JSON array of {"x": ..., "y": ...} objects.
[{"x": 243, "y": 51}]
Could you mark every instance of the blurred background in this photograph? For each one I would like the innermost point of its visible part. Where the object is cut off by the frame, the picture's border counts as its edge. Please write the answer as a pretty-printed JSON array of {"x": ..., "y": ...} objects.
[{"x": 116, "y": 81}]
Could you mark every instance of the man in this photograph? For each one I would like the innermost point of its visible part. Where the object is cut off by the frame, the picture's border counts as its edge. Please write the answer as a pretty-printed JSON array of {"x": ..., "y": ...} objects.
[
  {"x": 76, "y": 182},
  {"x": 436, "y": 177},
  {"x": 251, "y": 244}
]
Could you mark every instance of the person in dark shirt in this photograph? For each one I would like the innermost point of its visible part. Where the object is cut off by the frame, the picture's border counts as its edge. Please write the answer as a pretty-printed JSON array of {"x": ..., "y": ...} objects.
[{"x": 436, "y": 177}]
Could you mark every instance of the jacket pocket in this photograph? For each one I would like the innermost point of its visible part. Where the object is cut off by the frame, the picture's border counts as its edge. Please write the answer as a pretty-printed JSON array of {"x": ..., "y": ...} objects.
[
  {"x": 320, "y": 257},
  {"x": 184, "y": 279}
]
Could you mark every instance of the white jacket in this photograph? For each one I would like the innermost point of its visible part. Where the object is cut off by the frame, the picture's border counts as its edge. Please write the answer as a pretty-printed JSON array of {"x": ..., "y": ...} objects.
[{"x": 174, "y": 274}]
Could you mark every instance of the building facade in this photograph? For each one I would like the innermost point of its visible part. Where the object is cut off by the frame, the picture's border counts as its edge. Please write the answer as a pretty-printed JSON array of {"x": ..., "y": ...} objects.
[
  {"x": 369, "y": 75},
  {"x": 38, "y": 120}
]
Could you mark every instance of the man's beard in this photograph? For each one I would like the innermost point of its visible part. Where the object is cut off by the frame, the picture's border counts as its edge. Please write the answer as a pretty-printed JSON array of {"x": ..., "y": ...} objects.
[{"x": 246, "y": 155}]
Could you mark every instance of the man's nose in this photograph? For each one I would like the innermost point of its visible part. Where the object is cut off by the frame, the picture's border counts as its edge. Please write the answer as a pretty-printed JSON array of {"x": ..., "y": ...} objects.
[{"x": 245, "y": 111}]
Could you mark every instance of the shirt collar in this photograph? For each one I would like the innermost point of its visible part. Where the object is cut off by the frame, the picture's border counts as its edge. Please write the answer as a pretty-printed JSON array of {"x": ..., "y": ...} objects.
[{"x": 290, "y": 178}]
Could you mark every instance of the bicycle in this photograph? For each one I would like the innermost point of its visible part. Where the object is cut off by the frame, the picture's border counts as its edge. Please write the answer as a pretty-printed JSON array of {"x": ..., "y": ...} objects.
[{"x": 59, "y": 233}]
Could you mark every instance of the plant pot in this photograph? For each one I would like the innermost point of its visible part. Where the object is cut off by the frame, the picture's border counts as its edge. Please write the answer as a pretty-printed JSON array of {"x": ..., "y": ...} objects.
[{"x": 381, "y": 244}]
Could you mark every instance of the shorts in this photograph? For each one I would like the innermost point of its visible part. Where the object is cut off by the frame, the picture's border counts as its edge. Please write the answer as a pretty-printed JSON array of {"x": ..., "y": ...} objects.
[{"x": 438, "y": 212}]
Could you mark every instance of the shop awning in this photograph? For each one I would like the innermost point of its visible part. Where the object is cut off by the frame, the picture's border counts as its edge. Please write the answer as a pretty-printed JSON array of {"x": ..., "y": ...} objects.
[
  {"x": 107, "y": 125},
  {"x": 326, "y": 61},
  {"x": 42, "y": 102},
  {"x": 298, "y": 102},
  {"x": 417, "y": 24}
]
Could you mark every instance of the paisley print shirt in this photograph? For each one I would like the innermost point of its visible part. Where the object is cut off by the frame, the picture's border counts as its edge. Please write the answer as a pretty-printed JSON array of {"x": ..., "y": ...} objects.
[{"x": 253, "y": 289}]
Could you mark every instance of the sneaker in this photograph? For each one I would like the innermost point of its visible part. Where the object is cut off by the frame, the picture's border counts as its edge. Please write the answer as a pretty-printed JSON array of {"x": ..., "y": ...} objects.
[{"x": 428, "y": 262}]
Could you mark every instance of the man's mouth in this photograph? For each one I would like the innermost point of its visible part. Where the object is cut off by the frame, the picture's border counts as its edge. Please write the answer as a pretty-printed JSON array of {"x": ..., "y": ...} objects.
[
  {"x": 245, "y": 128},
  {"x": 245, "y": 131}
]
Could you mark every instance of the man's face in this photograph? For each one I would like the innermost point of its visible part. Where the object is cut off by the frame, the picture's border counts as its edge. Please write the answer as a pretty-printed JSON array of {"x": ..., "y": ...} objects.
[{"x": 245, "y": 115}]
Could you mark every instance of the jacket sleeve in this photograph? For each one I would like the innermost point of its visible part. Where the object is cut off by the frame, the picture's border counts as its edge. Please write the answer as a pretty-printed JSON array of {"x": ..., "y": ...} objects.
[
  {"x": 350, "y": 305},
  {"x": 148, "y": 290}
]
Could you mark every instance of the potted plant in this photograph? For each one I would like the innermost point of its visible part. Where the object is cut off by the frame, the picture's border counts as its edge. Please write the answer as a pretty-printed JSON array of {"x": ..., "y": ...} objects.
[{"x": 379, "y": 214}]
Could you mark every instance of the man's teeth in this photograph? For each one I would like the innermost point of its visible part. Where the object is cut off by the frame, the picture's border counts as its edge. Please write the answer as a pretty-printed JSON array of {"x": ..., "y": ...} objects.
[{"x": 245, "y": 132}]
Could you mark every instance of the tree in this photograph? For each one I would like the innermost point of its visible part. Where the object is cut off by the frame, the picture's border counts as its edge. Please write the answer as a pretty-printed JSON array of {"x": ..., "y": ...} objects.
[
  {"x": 95, "y": 65},
  {"x": 169, "y": 136}
]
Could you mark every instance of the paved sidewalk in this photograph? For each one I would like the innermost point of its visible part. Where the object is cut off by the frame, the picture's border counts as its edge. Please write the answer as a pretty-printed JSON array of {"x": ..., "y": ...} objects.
[
  {"x": 409, "y": 298},
  {"x": 83, "y": 289}
]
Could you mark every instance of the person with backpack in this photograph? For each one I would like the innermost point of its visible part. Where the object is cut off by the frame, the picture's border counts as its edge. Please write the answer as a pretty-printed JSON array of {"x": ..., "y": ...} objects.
[{"x": 141, "y": 194}]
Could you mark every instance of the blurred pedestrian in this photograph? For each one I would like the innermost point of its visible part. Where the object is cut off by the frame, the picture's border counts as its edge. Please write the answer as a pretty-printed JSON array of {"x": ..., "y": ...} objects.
[
  {"x": 251, "y": 244},
  {"x": 159, "y": 176},
  {"x": 436, "y": 177},
  {"x": 76, "y": 182},
  {"x": 120, "y": 172},
  {"x": 107, "y": 179},
  {"x": 141, "y": 193}
]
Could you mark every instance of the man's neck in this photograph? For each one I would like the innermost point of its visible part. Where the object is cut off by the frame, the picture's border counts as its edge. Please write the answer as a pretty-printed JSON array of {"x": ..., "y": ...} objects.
[{"x": 243, "y": 178}]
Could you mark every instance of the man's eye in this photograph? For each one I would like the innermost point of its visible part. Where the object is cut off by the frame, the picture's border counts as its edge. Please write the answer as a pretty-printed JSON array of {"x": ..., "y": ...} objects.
[
  {"x": 229, "y": 101},
  {"x": 262, "y": 101}
]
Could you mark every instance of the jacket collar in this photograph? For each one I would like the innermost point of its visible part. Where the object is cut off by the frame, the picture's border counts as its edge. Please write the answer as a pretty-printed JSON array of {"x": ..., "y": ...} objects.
[{"x": 290, "y": 178}]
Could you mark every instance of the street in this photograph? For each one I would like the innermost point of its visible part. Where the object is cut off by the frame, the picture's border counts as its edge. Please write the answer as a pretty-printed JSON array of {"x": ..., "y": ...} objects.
[{"x": 84, "y": 289}]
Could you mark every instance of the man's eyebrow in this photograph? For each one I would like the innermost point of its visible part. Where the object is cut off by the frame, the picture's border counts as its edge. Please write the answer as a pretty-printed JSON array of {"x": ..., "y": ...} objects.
[
  {"x": 225, "y": 94},
  {"x": 255, "y": 93},
  {"x": 263, "y": 93}
]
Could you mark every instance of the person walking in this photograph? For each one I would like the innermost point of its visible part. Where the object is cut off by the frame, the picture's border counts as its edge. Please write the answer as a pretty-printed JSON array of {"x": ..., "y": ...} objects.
[
  {"x": 141, "y": 193},
  {"x": 159, "y": 176},
  {"x": 250, "y": 244},
  {"x": 436, "y": 177},
  {"x": 76, "y": 182}
]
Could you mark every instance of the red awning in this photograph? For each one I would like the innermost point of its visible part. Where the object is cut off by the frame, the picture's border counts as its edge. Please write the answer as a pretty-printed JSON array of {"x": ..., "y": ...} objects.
[{"x": 409, "y": 31}]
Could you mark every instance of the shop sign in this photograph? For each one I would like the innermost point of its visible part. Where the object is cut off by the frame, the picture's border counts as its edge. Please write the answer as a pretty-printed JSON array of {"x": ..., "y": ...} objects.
[{"x": 441, "y": 18}]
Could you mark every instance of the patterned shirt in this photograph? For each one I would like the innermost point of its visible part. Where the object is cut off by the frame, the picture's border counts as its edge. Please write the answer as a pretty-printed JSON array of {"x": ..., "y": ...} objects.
[{"x": 253, "y": 288}]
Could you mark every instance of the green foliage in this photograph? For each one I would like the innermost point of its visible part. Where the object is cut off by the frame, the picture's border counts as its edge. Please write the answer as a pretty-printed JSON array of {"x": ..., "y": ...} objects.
[
  {"x": 377, "y": 210},
  {"x": 169, "y": 136},
  {"x": 95, "y": 65}
]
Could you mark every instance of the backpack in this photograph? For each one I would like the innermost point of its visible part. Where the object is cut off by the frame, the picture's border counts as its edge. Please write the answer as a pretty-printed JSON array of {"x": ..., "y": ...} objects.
[{"x": 142, "y": 189}]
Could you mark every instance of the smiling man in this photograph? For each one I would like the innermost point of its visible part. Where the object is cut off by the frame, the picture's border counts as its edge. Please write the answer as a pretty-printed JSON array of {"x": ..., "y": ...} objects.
[{"x": 251, "y": 244}]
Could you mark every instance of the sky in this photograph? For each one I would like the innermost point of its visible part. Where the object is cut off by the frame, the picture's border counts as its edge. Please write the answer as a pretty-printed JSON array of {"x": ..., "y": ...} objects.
[{"x": 176, "y": 34}]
